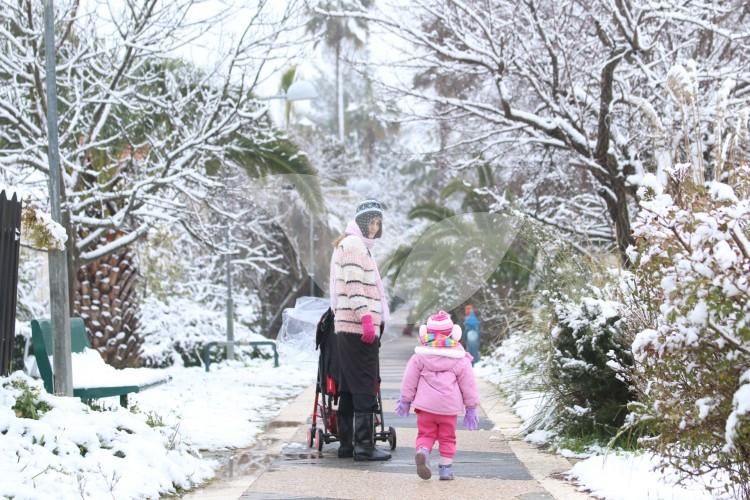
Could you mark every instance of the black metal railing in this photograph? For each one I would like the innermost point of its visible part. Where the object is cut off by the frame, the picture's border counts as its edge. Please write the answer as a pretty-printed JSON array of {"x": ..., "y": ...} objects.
[
  {"x": 10, "y": 244},
  {"x": 206, "y": 351}
]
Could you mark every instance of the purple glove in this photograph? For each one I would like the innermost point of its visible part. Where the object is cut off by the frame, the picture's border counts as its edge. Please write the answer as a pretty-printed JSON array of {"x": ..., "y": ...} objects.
[
  {"x": 471, "y": 421},
  {"x": 402, "y": 408},
  {"x": 368, "y": 329}
]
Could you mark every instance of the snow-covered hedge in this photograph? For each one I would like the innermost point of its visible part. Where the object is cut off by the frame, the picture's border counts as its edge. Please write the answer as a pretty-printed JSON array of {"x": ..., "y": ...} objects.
[
  {"x": 693, "y": 256},
  {"x": 53, "y": 447}
]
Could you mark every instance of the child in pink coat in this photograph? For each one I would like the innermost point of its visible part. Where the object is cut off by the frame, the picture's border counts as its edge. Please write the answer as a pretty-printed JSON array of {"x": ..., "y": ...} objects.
[{"x": 439, "y": 383}]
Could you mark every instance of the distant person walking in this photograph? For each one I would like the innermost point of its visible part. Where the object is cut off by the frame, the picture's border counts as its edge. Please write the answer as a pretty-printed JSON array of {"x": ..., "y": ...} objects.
[
  {"x": 360, "y": 305},
  {"x": 471, "y": 328}
]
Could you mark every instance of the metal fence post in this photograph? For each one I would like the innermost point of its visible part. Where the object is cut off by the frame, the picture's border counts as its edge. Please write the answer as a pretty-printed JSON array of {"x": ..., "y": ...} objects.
[{"x": 10, "y": 244}]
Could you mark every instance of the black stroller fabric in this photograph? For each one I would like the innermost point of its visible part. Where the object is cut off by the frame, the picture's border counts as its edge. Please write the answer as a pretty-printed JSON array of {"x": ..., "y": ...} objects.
[{"x": 325, "y": 341}]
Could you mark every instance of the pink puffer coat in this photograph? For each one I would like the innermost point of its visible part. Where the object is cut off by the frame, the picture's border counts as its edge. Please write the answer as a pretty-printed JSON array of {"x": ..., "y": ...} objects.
[{"x": 440, "y": 381}]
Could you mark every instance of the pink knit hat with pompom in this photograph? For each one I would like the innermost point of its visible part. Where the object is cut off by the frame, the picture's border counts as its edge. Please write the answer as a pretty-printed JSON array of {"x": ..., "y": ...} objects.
[{"x": 442, "y": 324}]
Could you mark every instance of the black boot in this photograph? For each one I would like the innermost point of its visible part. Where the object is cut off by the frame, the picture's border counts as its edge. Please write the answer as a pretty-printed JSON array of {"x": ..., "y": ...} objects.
[
  {"x": 364, "y": 439},
  {"x": 345, "y": 433}
]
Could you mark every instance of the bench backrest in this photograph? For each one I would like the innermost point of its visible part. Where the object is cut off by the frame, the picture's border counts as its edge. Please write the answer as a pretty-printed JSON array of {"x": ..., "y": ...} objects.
[{"x": 41, "y": 338}]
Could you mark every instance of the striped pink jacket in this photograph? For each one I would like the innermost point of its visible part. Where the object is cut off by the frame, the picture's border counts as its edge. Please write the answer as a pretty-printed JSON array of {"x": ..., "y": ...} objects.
[{"x": 355, "y": 286}]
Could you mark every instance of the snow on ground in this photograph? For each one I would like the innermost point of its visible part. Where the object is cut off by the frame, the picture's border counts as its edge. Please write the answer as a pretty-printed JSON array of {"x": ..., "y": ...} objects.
[
  {"x": 90, "y": 370},
  {"x": 632, "y": 476},
  {"x": 154, "y": 449},
  {"x": 71, "y": 451},
  {"x": 228, "y": 406}
]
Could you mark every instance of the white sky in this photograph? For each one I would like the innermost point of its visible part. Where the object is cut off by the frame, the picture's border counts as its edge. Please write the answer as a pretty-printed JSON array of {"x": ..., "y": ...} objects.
[{"x": 208, "y": 46}]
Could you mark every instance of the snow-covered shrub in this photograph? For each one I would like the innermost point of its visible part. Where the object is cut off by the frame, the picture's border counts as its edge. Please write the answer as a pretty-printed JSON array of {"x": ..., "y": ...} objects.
[
  {"x": 693, "y": 254},
  {"x": 692, "y": 262},
  {"x": 57, "y": 447},
  {"x": 590, "y": 350},
  {"x": 28, "y": 403},
  {"x": 574, "y": 348}
]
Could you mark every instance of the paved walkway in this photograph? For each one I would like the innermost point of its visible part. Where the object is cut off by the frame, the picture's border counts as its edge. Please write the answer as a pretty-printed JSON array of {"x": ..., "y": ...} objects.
[{"x": 491, "y": 463}]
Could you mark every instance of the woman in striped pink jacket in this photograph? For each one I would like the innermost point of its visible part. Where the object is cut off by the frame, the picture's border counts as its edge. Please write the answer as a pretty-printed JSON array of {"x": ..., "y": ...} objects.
[{"x": 361, "y": 309}]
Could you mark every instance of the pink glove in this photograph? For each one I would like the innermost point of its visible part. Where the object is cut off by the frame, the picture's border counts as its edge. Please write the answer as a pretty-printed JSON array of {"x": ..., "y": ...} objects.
[
  {"x": 368, "y": 330},
  {"x": 402, "y": 408},
  {"x": 471, "y": 421}
]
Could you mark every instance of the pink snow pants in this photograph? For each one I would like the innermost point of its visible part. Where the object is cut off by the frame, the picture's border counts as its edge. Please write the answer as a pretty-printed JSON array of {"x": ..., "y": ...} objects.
[{"x": 441, "y": 428}]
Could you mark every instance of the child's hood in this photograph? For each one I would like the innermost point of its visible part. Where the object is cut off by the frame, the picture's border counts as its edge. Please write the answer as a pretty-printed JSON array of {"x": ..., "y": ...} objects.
[{"x": 439, "y": 358}]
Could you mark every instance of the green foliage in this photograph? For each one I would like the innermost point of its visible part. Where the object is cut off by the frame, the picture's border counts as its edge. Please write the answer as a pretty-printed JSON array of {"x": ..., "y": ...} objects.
[
  {"x": 279, "y": 157},
  {"x": 574, "y": 347},
  {"x": 159, "y": 271},
  {"x": 36, "y": 230},
  {"x": 587, "y": 337},
  {"x": 154, "y": 420},
  {"x": 287, "y": 78},
  {"x": 431, "y": 211},
  {"x": 28, "y": 404},
  {"x": 479, "y": 256}
]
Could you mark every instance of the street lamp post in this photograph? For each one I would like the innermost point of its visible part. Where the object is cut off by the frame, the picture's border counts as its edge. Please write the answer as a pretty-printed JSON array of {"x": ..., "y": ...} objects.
[
  {"x": 312, "y": 255},
  {"x": 230, "y": 301},
  {"x": 58, "y": 272}
]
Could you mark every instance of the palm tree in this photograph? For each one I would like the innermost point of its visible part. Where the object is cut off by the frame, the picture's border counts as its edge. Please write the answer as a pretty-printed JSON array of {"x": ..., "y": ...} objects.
[
  {"x": 335, "y": 32},
  {"x": 105, "y": 294}
]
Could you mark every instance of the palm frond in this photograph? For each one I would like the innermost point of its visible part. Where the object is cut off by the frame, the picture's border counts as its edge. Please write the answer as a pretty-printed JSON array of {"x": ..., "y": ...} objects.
[
  {"x": 456, "y": 186},
  {"x": 486, "y": 176},
  {"x": 394, "y": 263},
  {"x": 280, "y": 157},
  {"x": 431, "y": 211}
]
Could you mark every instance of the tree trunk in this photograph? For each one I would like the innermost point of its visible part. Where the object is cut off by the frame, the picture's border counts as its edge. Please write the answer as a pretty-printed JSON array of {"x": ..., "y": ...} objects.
[
  {"x": 106, "y": 298},
  {"x": 619, "y": 213}
]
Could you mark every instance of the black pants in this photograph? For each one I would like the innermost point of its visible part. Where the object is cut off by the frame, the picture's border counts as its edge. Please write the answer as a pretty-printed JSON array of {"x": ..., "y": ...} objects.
[{"x": 349, "y": 403}]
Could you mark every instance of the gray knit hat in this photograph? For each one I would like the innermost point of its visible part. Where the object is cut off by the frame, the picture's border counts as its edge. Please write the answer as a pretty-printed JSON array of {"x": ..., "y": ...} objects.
[{"x": 366, "y": 212}]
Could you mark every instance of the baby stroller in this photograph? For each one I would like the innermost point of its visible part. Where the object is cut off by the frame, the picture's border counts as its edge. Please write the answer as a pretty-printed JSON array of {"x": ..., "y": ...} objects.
[{"x": 327, "y": 396}]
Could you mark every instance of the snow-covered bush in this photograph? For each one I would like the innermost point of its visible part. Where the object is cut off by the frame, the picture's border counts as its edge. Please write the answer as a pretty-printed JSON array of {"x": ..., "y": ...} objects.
[
  {"x": 574, "y": 347},
  {"x": 590, "y": 349},
  {"x": 55, "y": 447},
  {"x": 692, "y": 262},
  {"x": 693, "y": 254}
]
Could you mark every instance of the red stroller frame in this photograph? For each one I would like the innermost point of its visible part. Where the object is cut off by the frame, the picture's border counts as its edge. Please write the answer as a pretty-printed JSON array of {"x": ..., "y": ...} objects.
[{"x": 327, "y": 395}]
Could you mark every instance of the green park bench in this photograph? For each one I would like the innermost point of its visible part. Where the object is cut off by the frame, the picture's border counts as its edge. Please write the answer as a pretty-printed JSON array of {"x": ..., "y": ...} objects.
[{"x": 41, "y": 338}]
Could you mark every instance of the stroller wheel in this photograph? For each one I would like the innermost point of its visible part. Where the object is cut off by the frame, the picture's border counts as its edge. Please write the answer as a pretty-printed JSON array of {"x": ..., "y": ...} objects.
[
  {"x": 392, "y": 437},
  {"x": 310, "y": 437},
  {"x": 319, "y": 439}
]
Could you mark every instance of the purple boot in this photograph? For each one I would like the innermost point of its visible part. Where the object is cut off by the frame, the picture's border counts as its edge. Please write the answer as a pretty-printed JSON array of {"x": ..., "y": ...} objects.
[
  {"x": 446, "y": 472},
  {"x": 422, "y": 459}
]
